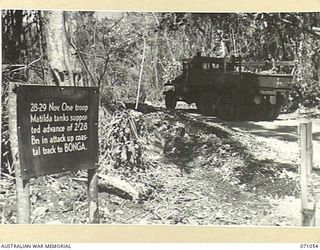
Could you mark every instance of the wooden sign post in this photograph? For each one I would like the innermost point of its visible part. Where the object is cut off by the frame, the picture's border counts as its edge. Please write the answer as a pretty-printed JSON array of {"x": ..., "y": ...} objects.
[
  {"x": 57, "y": 130},
  {"x": 22, "y": 186},
  {"x": 93, "y": 195},
  {"x": 307, "y": 212},
  {"x": 309, "y": 149}
]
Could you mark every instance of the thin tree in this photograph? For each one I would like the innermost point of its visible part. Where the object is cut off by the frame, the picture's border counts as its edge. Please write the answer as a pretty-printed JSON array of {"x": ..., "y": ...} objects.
[{"x": 141, "y": 71}]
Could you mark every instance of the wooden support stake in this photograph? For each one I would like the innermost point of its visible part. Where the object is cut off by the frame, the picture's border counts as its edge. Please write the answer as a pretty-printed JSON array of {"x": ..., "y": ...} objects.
[
  {"x": 307, "y": 214},
  {"x": 93, "y": 196},
  {"x": 22, "y": 186},
  {"x": 303, "y": 168},
  {"x": 309, "y": 149}
]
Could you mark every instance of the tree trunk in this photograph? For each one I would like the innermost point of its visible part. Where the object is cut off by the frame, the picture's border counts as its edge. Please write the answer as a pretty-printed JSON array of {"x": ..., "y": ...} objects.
[
  {"x": 60, "y": 54},
  {"x": 156, "y": 62},
  {"x": 12, "y": 36}
]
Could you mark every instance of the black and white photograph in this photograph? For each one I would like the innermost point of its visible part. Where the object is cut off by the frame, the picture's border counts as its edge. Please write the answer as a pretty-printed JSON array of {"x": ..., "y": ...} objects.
[{"x": 160, "y": 118}]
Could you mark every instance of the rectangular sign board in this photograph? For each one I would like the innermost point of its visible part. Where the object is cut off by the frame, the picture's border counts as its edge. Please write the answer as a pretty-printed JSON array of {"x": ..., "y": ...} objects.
[{"x": 57, "y": 129}]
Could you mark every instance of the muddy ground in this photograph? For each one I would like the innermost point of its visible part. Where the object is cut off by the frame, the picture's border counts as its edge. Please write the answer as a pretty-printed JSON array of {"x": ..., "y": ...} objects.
[{"x": 193, "y": 170}]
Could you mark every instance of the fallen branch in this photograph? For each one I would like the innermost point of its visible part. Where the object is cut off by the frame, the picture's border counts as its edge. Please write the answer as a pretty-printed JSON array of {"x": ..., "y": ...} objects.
[{"x": 118, "y": 187}]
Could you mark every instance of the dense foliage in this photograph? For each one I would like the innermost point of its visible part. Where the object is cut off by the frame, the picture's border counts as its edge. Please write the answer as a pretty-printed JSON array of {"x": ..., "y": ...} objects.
[{"x": 110, "y": 49}]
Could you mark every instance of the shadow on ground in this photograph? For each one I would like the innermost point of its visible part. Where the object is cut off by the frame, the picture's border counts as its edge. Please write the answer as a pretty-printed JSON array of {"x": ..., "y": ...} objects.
[
  {"x": 277, "y": 129},
  {"x": 268, "y": 130}
]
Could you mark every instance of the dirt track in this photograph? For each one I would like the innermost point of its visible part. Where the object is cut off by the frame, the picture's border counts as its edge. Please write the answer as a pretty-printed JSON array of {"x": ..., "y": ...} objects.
[{"x": 281, "y": 136}]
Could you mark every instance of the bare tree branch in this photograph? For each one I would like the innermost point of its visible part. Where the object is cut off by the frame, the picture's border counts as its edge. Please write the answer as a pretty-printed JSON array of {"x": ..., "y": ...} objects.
[
  {"x": 141, "y": 70},
  {"x": 103, "y": 72},
  {"x": 114, "y": 25},
  {"x": 82, "y": 60},
  {"x": 303, "y": 28}
]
